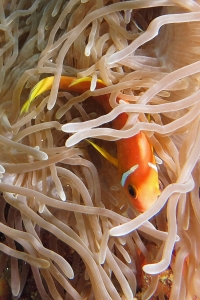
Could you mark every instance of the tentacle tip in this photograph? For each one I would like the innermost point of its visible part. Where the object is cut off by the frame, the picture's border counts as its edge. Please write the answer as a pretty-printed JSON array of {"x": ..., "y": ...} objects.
[{"x": 68, "y": 143}]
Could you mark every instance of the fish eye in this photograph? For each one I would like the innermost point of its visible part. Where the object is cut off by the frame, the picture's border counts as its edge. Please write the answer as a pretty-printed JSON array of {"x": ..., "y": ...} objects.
[{"x": 132, "y": 191}]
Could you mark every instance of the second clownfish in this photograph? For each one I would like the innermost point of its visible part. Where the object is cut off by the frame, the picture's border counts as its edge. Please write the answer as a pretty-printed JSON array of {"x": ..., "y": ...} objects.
[{"x": 135, "y": 158}]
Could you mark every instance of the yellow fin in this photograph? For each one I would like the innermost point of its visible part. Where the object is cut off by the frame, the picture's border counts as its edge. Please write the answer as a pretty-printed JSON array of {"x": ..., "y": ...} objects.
[
  {"x": 41, "y": 87},
  {"x": 84, "y": 79},
  {"x": 104, "y": 153},
  {"x": 149, "y": 117}
]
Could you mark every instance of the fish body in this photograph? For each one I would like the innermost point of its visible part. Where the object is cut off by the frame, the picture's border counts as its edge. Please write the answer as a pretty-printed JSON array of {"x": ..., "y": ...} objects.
[
  {"x": 136, "y": 161},
  {"x": 139, "y": 174}
]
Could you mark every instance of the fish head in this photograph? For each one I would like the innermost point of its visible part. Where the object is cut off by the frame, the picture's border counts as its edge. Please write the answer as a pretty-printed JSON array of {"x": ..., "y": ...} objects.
[{"x": 142, "y": 192}]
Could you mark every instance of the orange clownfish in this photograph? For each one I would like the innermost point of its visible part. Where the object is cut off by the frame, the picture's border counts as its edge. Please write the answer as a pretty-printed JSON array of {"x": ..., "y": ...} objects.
[{"x": 135, "y": 158}]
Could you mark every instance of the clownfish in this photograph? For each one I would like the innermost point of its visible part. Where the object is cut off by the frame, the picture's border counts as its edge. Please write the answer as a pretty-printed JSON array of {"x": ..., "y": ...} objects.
[{"x": 135, "y": 159}]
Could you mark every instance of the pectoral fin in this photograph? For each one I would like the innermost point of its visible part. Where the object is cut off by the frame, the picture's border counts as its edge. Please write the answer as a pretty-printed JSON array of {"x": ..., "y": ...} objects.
[
  {"x": 84, "y": 80},
  {"x": 104, "y": 153}
]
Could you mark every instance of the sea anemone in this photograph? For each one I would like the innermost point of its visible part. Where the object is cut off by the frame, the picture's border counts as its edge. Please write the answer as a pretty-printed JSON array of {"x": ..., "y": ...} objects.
[{"x": 64, "y": 218}]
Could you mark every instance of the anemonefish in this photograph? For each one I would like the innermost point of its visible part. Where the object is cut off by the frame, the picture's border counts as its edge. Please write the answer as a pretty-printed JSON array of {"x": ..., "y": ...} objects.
[{"x": 135, "y": 159}]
